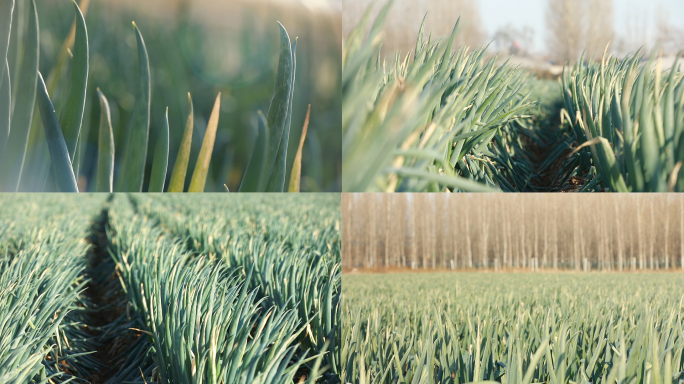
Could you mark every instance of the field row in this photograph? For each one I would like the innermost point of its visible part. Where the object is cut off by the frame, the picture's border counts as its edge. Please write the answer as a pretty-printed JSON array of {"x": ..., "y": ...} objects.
[
  {"x": 515, "y": 328},
  {"x": 450, "y": 118},
  {"x": 112, "y": 296}
]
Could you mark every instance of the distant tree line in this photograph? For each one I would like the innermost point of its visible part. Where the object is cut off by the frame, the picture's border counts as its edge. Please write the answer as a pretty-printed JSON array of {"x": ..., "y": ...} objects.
[
  {"x": 405, "y": 16},
  {"x": 573, "y": 27},
  {"x": 531, "y": 231}
]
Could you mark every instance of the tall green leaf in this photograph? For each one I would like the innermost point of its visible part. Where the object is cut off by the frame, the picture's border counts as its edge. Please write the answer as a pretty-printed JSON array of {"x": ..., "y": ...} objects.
[
  {"x": 277, "y": 180},
  {"x": 62, "y": 172},
  {"x": 72, "y": 112},
  {"x": 105, "y": 149},
  {"x": 296, "y": 172},
  {"x": 6, "y": 11},
  {"x": 180, "y": 168},
  {"x": 64, "y": 56},
  {"x": 199, "y": 175},
  {"x": 279, "y": 112},
  {"x": 36, "y": 169},
  {"x": 12, "y": 160},
  {"x": 16, "y": 41},
  {"x": 668, "y": 116},
  {"x": 5, "y": 107},
  {"x": 136, "y": 148}
]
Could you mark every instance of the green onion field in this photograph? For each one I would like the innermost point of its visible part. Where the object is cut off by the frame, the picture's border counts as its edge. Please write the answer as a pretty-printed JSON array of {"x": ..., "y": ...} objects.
[
  {"x": 443, "y": 117},
  {"x": 134, "y": 289},
  {"x": 522, "y": 328},
  {"x": 97, "y": 96}
]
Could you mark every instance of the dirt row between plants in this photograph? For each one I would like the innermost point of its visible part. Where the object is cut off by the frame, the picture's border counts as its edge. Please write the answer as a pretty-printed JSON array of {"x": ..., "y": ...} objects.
[{"x": 109, "y": 303}]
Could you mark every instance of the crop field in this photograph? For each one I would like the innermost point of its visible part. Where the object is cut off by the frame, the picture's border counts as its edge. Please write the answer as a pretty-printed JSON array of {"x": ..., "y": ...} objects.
[
  {"x": 136, "y": 289},
  {"x": 97, "y": 96},
  {"x": 444, "y": 117},
  {"x": 522, "y": 328}
]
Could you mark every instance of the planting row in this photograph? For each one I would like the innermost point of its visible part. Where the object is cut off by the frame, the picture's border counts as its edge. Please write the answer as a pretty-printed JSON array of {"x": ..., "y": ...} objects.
[
  {"x": 122, "y": 299},
  {"x": 442, "y": 118},
  {"x": 434, "y": 119},
  {"x": 628, "y": 116},
  {"x": 522, "y": 329},
  {"x": 43, "y": 332},
  {"x": 292, "y": 244}
]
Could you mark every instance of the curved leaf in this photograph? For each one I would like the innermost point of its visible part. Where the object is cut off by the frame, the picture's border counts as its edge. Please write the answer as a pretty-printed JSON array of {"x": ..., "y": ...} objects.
[
  {"x": 37, "y": 163},
  {"x": 199, "y": 176},
  {"x": 136, "y": 148},
  {"x": 72, "y": 113},
  {"x": 57, "y": 73},
  {"x": 296, "y": 173},
  {"x": 279, "y": 110},
  {"x": 105, "y": 148},
  {"x": 6, "y": 11},
  {"x": 61, "y": 164},
  {"x": 13, "y": 160},
  {"x": 5, "y": 107},
  {"x": 180, "y": 168},
  {"x": 461, "y": 183},
  {"x": 277, "y": 180}
]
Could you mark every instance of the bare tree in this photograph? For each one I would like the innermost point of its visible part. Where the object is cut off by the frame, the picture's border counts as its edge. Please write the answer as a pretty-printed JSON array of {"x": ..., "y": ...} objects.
[
  {"x": 505, "y": 233},
  {"x": 483, "y": 238},
  {"x": 387, "y": 200},
  {"x": 454, "y": 220},
  {"x": 402, "y": 24},
  {"x": 600, "y": 27},
  {"x": 652, "y": 235},
  {"x": 523, "y": 248},
  {"x": 535, "y": 223},
  {"x": 565, "y": 29},
  {"x": 636, "y": 25},
  {"x": 469, "y": 249},
  {"x": 618, "y": 234},
  {"x": 414, "y": 233},
  {"x": 555, "y": 236},
  {"x": 347, "y": 234},
  {"x": 639, "y": 243},
  {"x": 666, "y": 243},
  {"x": 589, "y": 233},
  {"x": 575, "y": 233},
  {"x": 444, "y": 229},
  {"x": 669, "y": 38}
]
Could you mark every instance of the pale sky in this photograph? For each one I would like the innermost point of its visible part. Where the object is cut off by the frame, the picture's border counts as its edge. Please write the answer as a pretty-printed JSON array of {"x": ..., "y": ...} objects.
[
  {"x": 521, "y": 13},
  {"x": 324, "y": 5}
]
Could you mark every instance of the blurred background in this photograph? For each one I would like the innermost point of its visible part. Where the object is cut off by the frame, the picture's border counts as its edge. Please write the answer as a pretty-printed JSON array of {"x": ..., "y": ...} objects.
[
  {"x": 205, "y": 47},
  {"x": 540, "y": 34}
]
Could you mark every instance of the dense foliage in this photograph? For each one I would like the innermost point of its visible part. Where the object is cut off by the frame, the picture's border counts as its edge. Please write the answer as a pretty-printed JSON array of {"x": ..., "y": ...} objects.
[
  {"x": 104, "y": 106},
  {"x": 629, "y": 117},
  {"x": 513, "y": 328},
  {"x": 114, "y": 294}
]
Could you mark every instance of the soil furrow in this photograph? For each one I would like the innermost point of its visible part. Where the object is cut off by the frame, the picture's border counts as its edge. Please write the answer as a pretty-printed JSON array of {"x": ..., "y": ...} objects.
[{"x": 107, "y": 302}]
